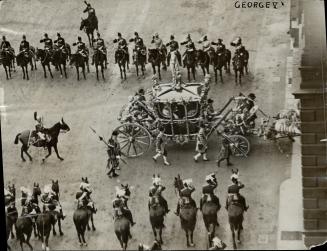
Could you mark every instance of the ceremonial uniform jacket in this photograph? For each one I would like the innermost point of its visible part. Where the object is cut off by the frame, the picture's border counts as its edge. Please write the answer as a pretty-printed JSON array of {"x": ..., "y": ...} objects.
[
  {"x": 60, "y": 41},
  {"x": 173, "y": 45},
  {"x": 122, "y": 44},
  {"x": 220, "y": 46},
  {"x": 156, "y": 190},
  {"x": 47, "y": 42},
  {"x": 158, "y": 42},
  {"x": 189, "y": 44},
  {"x": 99, "y": 42},
  {"x": 5, "y": 45},
  {"x": 187, "y": 191},
  {"x": 90, "y": 11},
  {"x": 138, "y": 42},
  {"x": 80, "y": 46},
  {"x": 209, "y": 188},
  {"x": 235, "y": 188},
  {"x": 24, "y": 45}
]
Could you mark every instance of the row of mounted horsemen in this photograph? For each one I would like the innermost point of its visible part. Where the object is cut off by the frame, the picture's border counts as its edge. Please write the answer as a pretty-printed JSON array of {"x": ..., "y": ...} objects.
[
  {"x": 42, "y": 221},
  {"x": 59, "y": 52}
]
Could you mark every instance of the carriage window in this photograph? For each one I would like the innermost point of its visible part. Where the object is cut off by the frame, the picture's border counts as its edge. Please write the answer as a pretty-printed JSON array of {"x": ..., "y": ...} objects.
[
  {"x": 177, "y": 111},
  {"x": 192, "y": 109}
]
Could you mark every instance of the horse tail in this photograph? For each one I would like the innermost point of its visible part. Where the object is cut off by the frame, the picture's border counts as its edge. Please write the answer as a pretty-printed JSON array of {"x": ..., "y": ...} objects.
[{"x": 17, "y": 138}]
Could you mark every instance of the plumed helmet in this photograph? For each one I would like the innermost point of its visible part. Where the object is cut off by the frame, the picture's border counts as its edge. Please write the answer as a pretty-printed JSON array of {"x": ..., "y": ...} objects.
[
  {"x": 119, "y": 34},
  {"x": 79, "y": 38},
  {"x": 172, "y": 37},
  {"x": 210, "y": 177},
  {"x": 252, "y": 96},
  {"x": 47, "y": 188},
  {"x": 135, "y": 33},
  {"x": 4, "y": 37},
  {"x": 46, "y": 34},
  {"x": 58, "y": 34},
  {"x": 24, "y": 37},
  {"x": 141, "y": 91},
  {"x": 156, "y": 34},
  {"x": 119, "y": 192},
  {"x": 156, "y": 180},
  {"x": 220, "y": 40},
  {"x": 188, "y": 36},
  {"x": 234, "y": 176},
  {"x": 187, "y": 182}
]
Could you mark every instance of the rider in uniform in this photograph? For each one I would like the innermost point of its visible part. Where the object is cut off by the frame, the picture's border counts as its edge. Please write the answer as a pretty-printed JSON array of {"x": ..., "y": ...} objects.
[
  {"x": 189, "y": 47},
  {"x": 159, "y": 45},
  {"x": 100, "y": 46},
  {"x": 156, "y": 190},
  {"x": 201, "y": 144},
  {"x": 39, "y": 128},
  {"x": 186, "y": 196},
  {"x": 139, "y": 45},
  {"x": 5, "y": 45},
  {"x": 90, "y": 10},
  {"x": 24, "y": 47},
  {"x": 81, "y": 47},
  {"x": 60, "y": 41},
  {"x": 122, "y": 44},
  {"x": 47, "y": 44},
  {"x": 114, "y": 155},
  {"x": 220, "y": 46},
  {"x": 85, "y": 198},
  {"x": 206, "y": 45},
  {"x": 161, "y": 147},
  {"x": 173, "y": 47},
  {"x": 208, "y": 191},
  {"x": 47, "y": 198}
]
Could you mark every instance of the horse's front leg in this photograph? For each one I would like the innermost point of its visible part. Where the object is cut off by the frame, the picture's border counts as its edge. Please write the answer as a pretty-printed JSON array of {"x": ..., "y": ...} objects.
[
  {"x": 137, "y": 69},
  {"x": 60, "y": 69},
  {"x": 35, "y": 232},
  {"x": 23, "y": 72},
  {"x": 159, "y": 72},
  {"x": 187, "y": 239},
  {"x": 124, "y": 72},
  {"x": 64, "y": 66},
  {"x": 59, "y": 226},
  {"x": 44, "y": 71},
  {"x": 6, "y": 72},
  {"x": 221, "y": 75},
  {"x": 49, "y": 68},
  {"x": 121, "y": 72},
  {"x": 93, "y": 227},
  {"x": 77, "y": 71},
  {"x": 102, "y": 71},
  {"x": 54, "y": 228},
  {"x": 160, "y": 235},
  {"x": 87, "y": 65},
  {"x": 56, "y": 150},
  {"x": 97, "y": 71},
  {"x": 188, "y": 74},
  {"x": 22, "y": 153},
  {"x": 27, "y": 77},
  {"x": 216, "y": 77},
  {"x": 83, "y": 70},
  {"x": 192, "y": 243},
  {"x": 193, "y": 72}
]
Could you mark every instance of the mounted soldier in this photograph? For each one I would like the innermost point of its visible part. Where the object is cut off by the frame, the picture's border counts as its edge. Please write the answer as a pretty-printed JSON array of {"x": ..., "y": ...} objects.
[
  {"x": 220, "y": 46},
  {"x": 100, "y": 46},
  {"x": 206, "y": 45},
  {"x": 161, "y": 146},
  {"x": 237, "y": 43},
  {"x": 60, "y": 42},
  {"x": 81, "y": 47},
  {"x": 114, "y": 155},
  {"x": 84, "y": 197},
  {"x": 39, "y": 129},
  {"x": 190, "y": 47},
  {"x": 122, "y": 45},
  {"x": 208, "y": 191},
  {"x": 139, "y": 45},
  {"x": 156, "y": 191},
  {"x": 5, "y": 46},
  {"x": 201, "y": 144},
  {"x": 24, "y": 47},
  {"x": 160, "y": 47},
  {"x": 119, "y": 205},
  {"x": 185, "y": 196},
  {"x": 173, "y": 48},
  {"x": 92, "y": 18},
  {"x": 48, "y": 45}
]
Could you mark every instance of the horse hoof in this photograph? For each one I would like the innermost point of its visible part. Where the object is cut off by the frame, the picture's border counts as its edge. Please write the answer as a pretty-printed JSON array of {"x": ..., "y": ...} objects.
[
  {"x": 31, "y": 159},
  {"x": 43, "y": 246},
  {"x": 61, "y": 159},
  {"x": 81, "y": 244},
  {"x": 192, "y": 245},
  {"x": 93, "y": 229},
  {"x": 43, "y": 160},
  {"x": 24, "y": 160},
  {"x": 85, "y": 244},
  {"x": 238, "y": 241},
  {"x": 47, "y": 249},
  {"x": 61, "y": 233}
]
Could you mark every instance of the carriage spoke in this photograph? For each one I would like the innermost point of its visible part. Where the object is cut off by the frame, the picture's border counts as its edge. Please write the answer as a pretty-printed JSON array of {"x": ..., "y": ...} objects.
[
  {"x": 134, "y": 149},
  {"x": 124, "y": 145},
  {"x": 123, "y": 141},
  {"x": 138, "y": 132},
  {"x": 125, "y": 133},
  {"x": 142, "y": 142},
  {"x": 136, "y": 144},
  {"x": 129, "y": 148}
]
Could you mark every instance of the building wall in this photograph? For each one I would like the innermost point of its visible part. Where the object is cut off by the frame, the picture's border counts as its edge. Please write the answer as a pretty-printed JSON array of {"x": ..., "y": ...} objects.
[{"x": 309, "y": 36}]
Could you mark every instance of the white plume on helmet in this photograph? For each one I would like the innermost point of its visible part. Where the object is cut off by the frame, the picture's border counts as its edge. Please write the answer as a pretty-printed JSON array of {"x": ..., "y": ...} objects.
[
  {"x": 119, "y": 192},
  {"x": 156, "y": 180},
  {"x": 188, "y": 182},
  {"x": 210, "y": 177}
]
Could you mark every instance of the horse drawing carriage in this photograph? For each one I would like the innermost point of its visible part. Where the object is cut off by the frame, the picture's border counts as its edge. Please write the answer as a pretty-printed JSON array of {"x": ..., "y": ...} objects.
[{"x": 179, "y": 109}]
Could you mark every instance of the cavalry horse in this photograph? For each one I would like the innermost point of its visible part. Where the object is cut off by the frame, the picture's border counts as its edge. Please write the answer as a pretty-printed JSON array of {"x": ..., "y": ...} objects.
[
  {"x": 203, "y": 60},
  {"x": 45, "y": 60},
  {"x": 59, "y": 59},
  {"x": 25, "y": 58},
  {"x": 157, "y": 213},
  {"x": 156, "y": 58},
  {"x": 53, "y": 132},
  {"x": 209, "y": 213},
  {"x": 122, "y": 230},
  {"x": 238, "y": 66},
  {"x": 7, "y": 60},
  {"x": 235, "y": 219},
  {"x": 99, "y": 60},
  {"x": 122, "y": 61},
  {"x": 89, "y": 26},
  {"x": 190, "y": 62},
  {"x": 139, "y": 56},
  {"x": 44, "y": 223},
  {"x": 222, "y": 60},
  {"x": 10, "y": 202},
  {"x": 79, "y": 61},
  {"x": 187, "y": 215}
]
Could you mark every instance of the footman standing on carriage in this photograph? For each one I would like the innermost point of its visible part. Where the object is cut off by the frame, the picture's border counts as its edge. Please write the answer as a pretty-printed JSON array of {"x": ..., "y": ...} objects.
[
  {"x": 201, "y": 144},
  {"x": 190, "y": 47},
  {"x": 208, "y": 191},
  {"x": 173, "y": 48},
  {"x": 185, "y": 196},
  {"x": 122, "y": 45},
  {"x": 156, "y": 190},
  {"x": 161, "y": 146}
]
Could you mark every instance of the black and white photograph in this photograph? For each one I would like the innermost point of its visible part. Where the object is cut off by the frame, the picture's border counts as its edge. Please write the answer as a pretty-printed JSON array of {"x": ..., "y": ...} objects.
[{"x": 163, "y": 124}]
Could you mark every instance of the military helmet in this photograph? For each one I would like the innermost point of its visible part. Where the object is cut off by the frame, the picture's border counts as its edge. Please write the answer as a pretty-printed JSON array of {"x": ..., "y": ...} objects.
[
  {"x": 4, "y": 37},
  {"x": 172, "y": 37},
  {"x": 46, "y": 34},
  {"x": 220, "y": 40},
  {"x": 210, "y": 100},
  {"x": 252, "y": 96},
  {"x": 79, "y": 39},
  {"x": 58, "y": 34},
  {"x": 119, "y": 34},
  {"x": 135, "y": 33},
  {"x": 24, "y": 37}
]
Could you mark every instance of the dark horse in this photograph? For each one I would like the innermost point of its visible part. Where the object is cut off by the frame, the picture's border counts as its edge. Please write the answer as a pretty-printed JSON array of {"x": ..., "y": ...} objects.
[
  {"x": 10, "y": 202},
  {"x": 190, "y": 62},
  {"x": 59, "y": 59},
  {"x": 209, "y": 212},
  {"x": 235, "y": 219},
  {"x": 79, "y": 61},
  {"x": 156, "y": 58},
  {"x": 53, "y": 132},
  {"x": 59, "y": 215},
  {"x": 122, "y": 230},
  {"x": 157, "y": 213},
  {"x": 221, "y": 61},
  {"x": 139, "y": 60},
  {"x": 187, "y": 215},
  {"x": 122, "y": 62},
  {"x": 24, "y": 225},
  {"x": 89, "y": 27},
  {"x": 23, "y": 59},
  {"x": 11, "y": 219},
  {"x": 203, "y": 60},
  {"x": 44, "y": 222},
  {"x": 6, "y": 59},
  {"x": 238, "y": 65},
  {"x": 99, "y": 60},
  {"x": 45, "y": 60}
]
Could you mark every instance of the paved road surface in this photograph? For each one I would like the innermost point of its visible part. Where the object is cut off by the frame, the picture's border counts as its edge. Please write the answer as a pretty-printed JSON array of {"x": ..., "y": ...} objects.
[{"x": 91, "y": 103}]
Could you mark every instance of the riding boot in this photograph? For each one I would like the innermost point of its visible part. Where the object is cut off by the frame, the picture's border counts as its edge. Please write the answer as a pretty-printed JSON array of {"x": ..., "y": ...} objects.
[
  {"x": 92, "y": 60},
  {"x": 177, "y": 209},
  {"x": 129, "y": 217},
  {"x": 201, "y": 204},
  {"x": 165, "y": 205}
]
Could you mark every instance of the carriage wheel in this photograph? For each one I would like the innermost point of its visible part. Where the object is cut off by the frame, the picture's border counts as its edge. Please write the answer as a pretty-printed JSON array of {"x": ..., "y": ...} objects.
[
  {"x": 242, "y": 145},
  {"x": 134, "y": 139}
]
